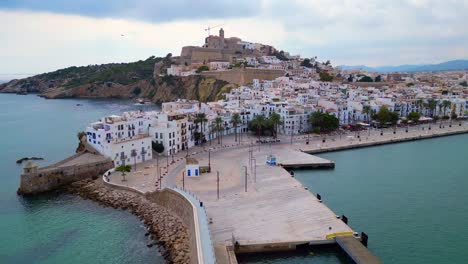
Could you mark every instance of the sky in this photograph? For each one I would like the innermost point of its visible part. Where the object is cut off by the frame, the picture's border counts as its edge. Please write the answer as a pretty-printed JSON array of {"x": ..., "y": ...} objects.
[{"x": 38, "y": 36}]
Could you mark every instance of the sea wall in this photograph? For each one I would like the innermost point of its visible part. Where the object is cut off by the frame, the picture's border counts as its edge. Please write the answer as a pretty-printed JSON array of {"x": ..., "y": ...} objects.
[
  {"x": 384, "y": 142},
  {"x": 186, "y": 208},
  {"x": 178, "y": 205},
  {"x": 54, "y": 176},
  {"x": 166, "y": 230}
]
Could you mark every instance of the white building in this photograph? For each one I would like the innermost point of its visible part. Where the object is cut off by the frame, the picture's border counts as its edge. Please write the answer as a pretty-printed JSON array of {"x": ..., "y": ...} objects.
[{"x": 124, "y": 139}]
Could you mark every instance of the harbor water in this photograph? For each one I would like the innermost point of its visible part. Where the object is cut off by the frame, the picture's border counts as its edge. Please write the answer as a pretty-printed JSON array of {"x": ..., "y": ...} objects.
[
  {"x": 410, "y": 198},
  {"x": 57, "y": 227}
]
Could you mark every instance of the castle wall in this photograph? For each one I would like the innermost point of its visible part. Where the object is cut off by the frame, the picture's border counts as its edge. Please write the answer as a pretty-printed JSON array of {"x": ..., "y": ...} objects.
[{"x": 244, "y": 76}]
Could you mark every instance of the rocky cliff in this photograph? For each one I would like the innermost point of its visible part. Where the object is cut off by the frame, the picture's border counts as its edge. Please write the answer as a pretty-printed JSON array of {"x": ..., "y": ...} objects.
[{"x": 142, "y": 79}]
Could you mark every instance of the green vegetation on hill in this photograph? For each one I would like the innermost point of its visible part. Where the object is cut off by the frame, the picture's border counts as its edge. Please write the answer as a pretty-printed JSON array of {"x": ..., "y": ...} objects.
[{"x": 122, "y": 73}]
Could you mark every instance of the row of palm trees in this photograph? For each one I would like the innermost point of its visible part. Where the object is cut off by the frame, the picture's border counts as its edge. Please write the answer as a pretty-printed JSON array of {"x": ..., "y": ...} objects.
[
  {"x": 200, "y": 119},
  {"x": 431, "y": 104},
  {"x": 260, "y": 123}
]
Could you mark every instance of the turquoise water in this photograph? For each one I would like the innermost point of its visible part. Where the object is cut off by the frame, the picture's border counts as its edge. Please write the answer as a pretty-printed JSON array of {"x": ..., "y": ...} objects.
[
  {"x": 59, "y": 228},
  {"x": 410, "y": 198}
]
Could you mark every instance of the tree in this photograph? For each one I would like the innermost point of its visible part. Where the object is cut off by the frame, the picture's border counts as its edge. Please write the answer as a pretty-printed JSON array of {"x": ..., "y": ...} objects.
[
  {"x": 218, "y": 127},
  {"x": 324, "y": 122},
  {"x": 202, "y": 68},
  {"x": 158, "y": 147},
  {"x": 200, "y": 118},
  {"x": 432, "y": 104},
  {"x": 366, "y": 79},
  {"x": 409, "y": 84},
  {"x": 325, "y": 77},
  {"x": 385, "y": 116},
  {"x": 414, "y": 117},
  {"x": 258, "y": 123},
  {"x": 367, "y": 110},
  {"x": 136, "y": 91},
  {"x": 378, "y": 78},
  {"x": 80, "y": 135},
  {"x": 235, "y": 120},
  {"x": 446, "y": 104},
  {"x": 280, "y": 55},
  {"x": 123, "y": 169},
  {"x": 464, "y": 83},
  {"x": 306, "y": 63},
  {"x": 275, "y": 120},
  {"x": 420, "y": 105}
]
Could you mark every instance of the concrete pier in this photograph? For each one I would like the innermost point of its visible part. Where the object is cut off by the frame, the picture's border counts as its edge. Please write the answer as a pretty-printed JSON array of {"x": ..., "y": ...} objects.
[{"x": 356, "y": 251}]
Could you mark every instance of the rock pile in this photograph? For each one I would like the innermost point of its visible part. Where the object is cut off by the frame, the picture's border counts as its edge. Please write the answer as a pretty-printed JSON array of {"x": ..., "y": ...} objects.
[{"x": 167, "y": 230}]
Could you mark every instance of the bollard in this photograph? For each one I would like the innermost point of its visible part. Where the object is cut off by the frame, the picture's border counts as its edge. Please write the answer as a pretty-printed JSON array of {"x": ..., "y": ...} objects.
[
  {"x": 344, "y": 219},
  {"x": 319, "y": 197},
  {"x": 201, "y": 204},
  {"x": 364, "y": 239}
]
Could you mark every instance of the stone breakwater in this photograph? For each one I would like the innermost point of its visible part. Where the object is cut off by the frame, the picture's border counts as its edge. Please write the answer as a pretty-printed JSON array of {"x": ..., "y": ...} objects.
[{"x": 168, "y": 230}]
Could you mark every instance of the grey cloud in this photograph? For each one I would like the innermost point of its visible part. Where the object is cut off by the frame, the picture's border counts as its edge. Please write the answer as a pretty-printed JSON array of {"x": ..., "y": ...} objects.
[{"x": 145, "y": 10}]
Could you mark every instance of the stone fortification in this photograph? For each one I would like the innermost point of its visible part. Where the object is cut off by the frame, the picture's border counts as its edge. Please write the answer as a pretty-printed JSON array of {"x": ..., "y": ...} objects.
[
  {"x": 75, "y": 168},
  {"x": 243, "y": 76}
]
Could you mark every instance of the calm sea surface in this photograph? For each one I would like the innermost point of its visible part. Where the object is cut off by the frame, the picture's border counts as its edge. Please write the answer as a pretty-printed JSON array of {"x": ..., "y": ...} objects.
[
  {"x": 410, "y": 198},
  {"x": 59, "y": 228}
]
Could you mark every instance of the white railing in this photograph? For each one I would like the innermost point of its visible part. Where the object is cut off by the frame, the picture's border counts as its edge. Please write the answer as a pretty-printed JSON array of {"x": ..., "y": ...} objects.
[{"x": 205, "y": 249}]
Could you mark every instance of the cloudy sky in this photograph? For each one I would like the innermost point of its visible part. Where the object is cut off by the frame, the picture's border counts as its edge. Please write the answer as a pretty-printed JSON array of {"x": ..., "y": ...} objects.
[{"x": 43, "y": 35}]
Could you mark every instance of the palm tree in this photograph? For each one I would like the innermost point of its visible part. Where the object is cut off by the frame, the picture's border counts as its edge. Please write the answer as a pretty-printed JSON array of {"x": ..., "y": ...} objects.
[
  {"x": 218, "y": 122},
  {"x": 235, "y": 120},
  {"x": 420, "y": 105},
  {"x": 200, "y": 118},
  {"x": 432, "y": 104},
  {"x": 275, "y": 120},
  {"x": 446, "y": 104},
  {"x": 367, "y": 111},
  {"x": 123, "y": 169},
  {"x": 258, "y": 122}
]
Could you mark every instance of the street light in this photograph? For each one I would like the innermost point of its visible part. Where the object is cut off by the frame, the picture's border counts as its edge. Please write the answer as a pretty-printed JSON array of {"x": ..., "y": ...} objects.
[
  {"x": 173, "y": 150},
  {"x": 217, "y": 183},
  {"x": 245, "y": 167},
  {"x": 255, "y": 169},
  {"x": 183, "y": 180}
]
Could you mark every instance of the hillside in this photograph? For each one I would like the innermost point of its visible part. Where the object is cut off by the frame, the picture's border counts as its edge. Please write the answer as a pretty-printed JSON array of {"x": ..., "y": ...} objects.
[
  {"x": 444, "y": 66},
  {"x": 119, "y": 80}
]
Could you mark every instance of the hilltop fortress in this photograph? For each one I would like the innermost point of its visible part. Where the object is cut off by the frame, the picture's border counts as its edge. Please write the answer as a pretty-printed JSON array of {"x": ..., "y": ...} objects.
[
  {"x": 219, "y": 48},
  {"x": 219, "y": 54}
]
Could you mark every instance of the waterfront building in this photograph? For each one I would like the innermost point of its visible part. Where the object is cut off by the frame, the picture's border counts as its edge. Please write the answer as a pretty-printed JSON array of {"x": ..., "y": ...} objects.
[{"x": 124, "y": 139}]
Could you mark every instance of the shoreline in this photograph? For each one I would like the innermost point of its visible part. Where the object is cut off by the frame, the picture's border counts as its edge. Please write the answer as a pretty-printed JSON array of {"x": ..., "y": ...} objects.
[{"x": 166, "y": 231}]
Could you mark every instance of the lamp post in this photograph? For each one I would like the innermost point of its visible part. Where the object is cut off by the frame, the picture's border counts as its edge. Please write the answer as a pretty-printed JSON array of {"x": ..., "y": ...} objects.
[
  {"x": 209, "y": 160},
  {"x": 160, "y": 187},
  {"x": 183, "y": 180},
  {"x": 173, "y": 150},
  {"x": 255, "y": 169},
  {"x": 217, "y": 184},
  {"x": 245, "y": 167}
]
